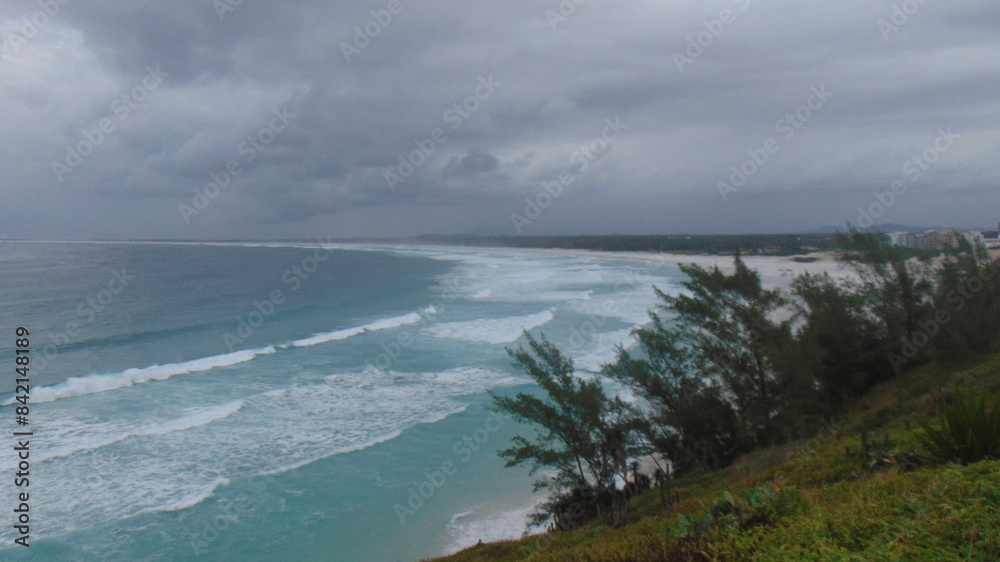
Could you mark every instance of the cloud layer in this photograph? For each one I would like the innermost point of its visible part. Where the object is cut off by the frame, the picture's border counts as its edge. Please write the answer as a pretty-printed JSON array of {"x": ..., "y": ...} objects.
[{"x": 246, "y": 119}]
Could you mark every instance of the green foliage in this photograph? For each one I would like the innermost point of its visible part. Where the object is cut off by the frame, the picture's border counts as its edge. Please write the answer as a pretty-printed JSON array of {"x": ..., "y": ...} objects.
[
  {"x": 842, "y": 343},
  {"x": 755, "y": 507},
  {"x": 969, "y": 430},
  {"x": 844, "y": 510},
  {"x": 584, "y": 435},
  {"x": 690, "y": 421},
  {"x": 896, "y": 291},
  {"x": 728, "y": 320},
  {"x": 728, "y": 367},
  {"x": 967, "y": 299},
  {"x": 723, "y": 377}
]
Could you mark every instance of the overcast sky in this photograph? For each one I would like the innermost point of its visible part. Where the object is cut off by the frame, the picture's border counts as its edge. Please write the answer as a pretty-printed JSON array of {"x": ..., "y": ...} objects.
[{"x": 256, "y": 119}]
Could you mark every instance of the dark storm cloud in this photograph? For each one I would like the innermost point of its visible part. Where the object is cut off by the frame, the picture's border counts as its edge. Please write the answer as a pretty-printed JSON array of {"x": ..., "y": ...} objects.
[
  {"x": 479, "y": 109},
  {"x": 476, "y": 160}
]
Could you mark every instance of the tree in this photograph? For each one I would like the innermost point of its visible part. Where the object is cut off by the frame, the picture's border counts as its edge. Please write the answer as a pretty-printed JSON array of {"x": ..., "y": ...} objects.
[
  {"x": 841, "y": 343},
  {"x": 896, "y": 290},
  {"x": 586, "y": 436},
  {"x": 966, "y": 302},
  {"x": 729, "y": 319},
  {"x": 719, "y": 374},
  {"x": 689, "y": 420}
]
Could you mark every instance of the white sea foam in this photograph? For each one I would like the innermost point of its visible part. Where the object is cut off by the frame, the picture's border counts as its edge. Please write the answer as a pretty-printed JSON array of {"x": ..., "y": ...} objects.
[
  {"x": 469, "y": 527},
  {"x": 192, "y": 499},
  {"x": 411, "y": 318},
  {"x": 94, "y": 384},
  {"x": 500, "y": 330},
  {"x": 299, "y": 413},
  {"x": 195, "y": 419},
  {"x": 169, "y": 465},
  {"x": 81, "y": 436},
  {"x": 600, "y": 349}
]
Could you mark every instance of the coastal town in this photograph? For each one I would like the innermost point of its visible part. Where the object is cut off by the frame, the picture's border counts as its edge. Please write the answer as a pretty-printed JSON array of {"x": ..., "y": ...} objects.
[{"x": 940, "y": 239}]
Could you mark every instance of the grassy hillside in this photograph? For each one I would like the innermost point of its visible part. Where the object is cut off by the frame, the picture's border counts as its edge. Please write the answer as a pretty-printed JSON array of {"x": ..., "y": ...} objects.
[{"x": 861, "y": 489}]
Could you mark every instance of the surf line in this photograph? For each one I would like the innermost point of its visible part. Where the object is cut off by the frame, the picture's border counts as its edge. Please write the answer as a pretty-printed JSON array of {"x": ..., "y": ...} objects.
[{"x": 292, "y": 279}]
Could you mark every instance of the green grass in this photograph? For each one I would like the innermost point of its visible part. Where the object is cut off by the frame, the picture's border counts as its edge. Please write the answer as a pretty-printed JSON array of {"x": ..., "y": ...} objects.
[
  {"x": 863, "y": 489},
  {"x": 969, "y": 430}
]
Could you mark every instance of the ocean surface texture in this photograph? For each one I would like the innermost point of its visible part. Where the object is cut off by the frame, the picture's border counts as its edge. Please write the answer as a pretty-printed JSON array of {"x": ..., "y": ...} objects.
[{"x": 286, "y": 402}]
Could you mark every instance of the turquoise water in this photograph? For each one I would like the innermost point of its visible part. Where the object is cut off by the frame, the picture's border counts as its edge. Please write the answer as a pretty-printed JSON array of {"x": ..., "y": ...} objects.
[{"x": 304, "y": 402}]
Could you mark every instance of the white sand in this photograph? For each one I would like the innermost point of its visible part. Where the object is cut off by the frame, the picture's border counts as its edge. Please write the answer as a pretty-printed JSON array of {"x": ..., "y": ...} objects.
[{"x": 775, "y": 271}]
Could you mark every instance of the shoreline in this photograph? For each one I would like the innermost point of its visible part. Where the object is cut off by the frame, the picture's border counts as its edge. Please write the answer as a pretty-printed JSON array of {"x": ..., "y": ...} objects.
[
  {"x": 775, "y": 271},
  {"x": 507, "y": 521}
]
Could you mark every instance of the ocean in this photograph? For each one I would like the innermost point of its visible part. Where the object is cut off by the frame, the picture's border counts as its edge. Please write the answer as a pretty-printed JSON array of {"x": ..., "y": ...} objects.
[{"x": 231, "y": 401}]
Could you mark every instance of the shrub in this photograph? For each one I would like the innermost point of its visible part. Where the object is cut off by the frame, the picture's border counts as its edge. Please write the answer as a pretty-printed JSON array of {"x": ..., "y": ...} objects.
[
  {"x": 969, "y": 431},
  {"x": 755, "y": 507}
]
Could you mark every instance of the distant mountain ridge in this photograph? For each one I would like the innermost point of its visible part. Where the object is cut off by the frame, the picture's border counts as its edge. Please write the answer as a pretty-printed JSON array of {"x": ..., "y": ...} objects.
[{"x": 887, "y": 227}]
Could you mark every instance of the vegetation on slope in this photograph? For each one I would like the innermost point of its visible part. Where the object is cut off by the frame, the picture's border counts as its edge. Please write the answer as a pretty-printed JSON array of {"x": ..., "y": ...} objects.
[
  {"x": 864, "y": 488},
  {"x": 728, "y": 368}
]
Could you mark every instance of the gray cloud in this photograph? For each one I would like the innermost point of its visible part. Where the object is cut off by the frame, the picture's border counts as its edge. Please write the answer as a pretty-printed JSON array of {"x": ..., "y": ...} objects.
[
  {"x": 369, "y": 89},
  {"x": 475, "y": 161}
]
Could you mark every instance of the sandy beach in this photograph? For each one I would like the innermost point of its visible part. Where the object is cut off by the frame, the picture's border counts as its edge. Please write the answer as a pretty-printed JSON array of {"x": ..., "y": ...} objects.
[{"x": 775, "y": 271}]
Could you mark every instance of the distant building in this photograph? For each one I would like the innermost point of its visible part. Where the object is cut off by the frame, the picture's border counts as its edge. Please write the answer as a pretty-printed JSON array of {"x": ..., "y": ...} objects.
[
  {"x": 900, "y": 238},
  {"x": 939, "y": 239},
  {"x": 974, "y": 237}
]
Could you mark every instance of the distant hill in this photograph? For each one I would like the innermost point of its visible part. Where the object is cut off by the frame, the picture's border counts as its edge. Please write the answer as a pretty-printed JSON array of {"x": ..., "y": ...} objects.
[{"x": 887, "y": 227}]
